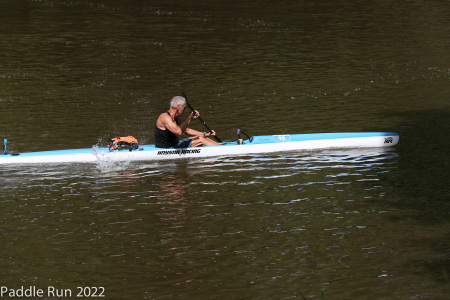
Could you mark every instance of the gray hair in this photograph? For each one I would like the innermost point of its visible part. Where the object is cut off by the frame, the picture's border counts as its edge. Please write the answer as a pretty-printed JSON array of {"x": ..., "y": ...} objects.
[{"x": 177, "y": 100}]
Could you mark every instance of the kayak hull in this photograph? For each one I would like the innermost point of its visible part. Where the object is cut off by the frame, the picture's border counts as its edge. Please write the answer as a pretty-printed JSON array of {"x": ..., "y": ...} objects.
[{"x": 259, "y": 144}]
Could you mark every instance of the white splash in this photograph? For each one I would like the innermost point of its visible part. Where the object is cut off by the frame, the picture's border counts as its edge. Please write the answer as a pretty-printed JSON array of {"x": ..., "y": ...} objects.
[{"x": 104, "y": 161}]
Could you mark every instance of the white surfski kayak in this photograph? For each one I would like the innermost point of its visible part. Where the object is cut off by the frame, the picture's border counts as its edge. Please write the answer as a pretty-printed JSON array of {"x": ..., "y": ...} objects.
[{"x": 254, "y": 145}]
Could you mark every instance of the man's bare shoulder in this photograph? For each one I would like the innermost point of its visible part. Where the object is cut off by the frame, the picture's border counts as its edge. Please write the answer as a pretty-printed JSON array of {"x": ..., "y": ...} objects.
[{"x": 164, "y": 119}]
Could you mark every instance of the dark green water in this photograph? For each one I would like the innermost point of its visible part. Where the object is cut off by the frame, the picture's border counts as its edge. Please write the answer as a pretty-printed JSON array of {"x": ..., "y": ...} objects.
[{"x": 359, "y": 224}]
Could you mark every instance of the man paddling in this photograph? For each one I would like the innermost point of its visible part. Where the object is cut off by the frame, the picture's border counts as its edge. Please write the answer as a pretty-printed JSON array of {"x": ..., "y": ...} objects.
[{"x": 168, "y": 127}]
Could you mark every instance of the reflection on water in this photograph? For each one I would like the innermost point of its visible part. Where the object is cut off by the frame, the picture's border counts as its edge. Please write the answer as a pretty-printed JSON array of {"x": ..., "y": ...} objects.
[
  {"x": 303, "y": 221},
  {"x": 172, "y": 201}
]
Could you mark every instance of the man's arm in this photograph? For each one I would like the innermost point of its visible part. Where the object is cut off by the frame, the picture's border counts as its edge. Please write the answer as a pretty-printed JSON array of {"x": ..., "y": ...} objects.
[
  {"x": 193, "y": 132},
  {"x": 173, "y": 127}
]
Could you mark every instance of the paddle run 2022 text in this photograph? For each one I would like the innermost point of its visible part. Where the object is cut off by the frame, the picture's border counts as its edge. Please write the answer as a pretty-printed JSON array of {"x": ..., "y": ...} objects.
[{"x": 51, "y": 292}]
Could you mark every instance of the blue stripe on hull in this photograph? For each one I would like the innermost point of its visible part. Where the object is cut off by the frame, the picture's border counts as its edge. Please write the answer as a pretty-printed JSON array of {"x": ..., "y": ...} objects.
[
  {"x": 268, "y": 139},
  {"x": 58, "y": 152}
]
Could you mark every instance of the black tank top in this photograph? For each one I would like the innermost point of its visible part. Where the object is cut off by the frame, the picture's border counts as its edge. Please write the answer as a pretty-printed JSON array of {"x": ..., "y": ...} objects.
[{"x": 165, "y": 138}]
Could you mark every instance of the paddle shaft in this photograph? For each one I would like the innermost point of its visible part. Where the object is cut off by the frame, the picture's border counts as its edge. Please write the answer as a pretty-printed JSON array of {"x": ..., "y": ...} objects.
[{"x": 193, "y": 110}]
